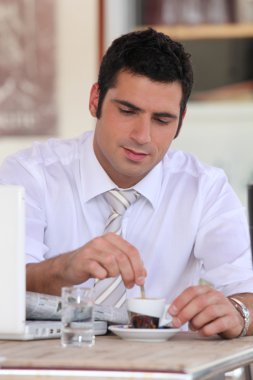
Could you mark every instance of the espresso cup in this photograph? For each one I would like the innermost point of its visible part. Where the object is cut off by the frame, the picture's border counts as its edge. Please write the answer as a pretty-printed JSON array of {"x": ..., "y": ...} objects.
[{"x": 148, "y": 313}]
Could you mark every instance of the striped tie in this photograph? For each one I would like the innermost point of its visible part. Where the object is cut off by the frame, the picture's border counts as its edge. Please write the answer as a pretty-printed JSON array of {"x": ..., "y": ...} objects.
[{"x": 111, "y": 291}]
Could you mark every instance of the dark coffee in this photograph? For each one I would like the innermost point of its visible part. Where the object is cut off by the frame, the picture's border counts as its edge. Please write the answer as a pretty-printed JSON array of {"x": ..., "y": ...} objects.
[{"x": 139, "y": 321}]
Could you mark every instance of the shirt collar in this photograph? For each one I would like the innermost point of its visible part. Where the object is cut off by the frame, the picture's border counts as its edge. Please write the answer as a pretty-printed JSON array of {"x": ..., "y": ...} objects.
[{"x": 95, "y": 180}]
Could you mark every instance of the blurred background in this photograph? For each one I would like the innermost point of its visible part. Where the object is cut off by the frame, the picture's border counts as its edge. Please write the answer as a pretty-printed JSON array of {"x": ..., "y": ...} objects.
[{"x": 49, "y": 57}]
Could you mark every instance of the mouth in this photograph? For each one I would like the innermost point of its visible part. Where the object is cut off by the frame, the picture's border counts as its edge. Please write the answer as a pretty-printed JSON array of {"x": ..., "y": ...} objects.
[{"x": 134, "y": 155}]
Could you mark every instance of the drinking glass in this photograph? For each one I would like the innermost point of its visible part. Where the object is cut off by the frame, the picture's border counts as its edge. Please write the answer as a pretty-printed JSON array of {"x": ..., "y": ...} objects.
[{"x": 77, "y": 317}]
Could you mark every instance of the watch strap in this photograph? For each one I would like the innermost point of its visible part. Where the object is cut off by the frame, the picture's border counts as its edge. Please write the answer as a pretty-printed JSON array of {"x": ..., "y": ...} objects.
[{"x": 244, "y": 312}]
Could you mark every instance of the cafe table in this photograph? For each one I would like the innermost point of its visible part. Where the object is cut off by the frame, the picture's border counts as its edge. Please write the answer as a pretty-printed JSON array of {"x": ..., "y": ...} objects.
[{"x": 184, "y": 356}]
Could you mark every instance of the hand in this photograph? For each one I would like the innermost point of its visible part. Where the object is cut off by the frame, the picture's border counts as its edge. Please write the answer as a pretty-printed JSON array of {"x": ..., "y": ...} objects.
[
  {"x": 107, "y": 256},
  {"x": 208, "y": 311}
]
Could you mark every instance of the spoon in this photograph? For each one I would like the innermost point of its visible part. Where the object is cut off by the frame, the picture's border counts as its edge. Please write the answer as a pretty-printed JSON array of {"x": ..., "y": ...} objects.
[{"x": 142, "y": 291}]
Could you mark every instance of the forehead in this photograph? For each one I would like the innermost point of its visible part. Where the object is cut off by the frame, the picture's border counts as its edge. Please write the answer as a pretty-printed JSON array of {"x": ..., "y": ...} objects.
[{"x": 144, "y": 92}]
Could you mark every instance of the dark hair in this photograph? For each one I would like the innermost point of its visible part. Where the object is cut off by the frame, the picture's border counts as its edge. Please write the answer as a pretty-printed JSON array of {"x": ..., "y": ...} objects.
[{"x": 150, "y": 54}]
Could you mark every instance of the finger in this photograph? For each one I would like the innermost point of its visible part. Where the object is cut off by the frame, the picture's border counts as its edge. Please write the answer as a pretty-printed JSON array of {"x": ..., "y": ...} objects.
[
  {"x": 95, "y": 259},
  {"x": 221, "y": 325},
  {"x": 187, "y": 296},
  {"x": 216, "y": 318},
  {"x": 96, "y": 270},
  {"x": 230, "y": 323},
  {"x": 208, "y": 315},
  {"x": 198, "y": 301},
  {"x": 102, "y": 252},
  {"x": 108, "y": 251},
  {"x": 122, "y": 261},
  {"x": 83, "y": 264},
  {"x": 134, "y": 271}
]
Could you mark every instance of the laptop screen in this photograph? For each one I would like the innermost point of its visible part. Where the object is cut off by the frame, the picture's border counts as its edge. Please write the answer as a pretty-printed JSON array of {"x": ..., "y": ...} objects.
[{"x": 12, "y": 258}]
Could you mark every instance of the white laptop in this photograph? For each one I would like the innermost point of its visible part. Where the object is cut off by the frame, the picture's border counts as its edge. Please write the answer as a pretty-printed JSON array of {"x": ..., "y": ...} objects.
[{"x": 13, "y": 324}]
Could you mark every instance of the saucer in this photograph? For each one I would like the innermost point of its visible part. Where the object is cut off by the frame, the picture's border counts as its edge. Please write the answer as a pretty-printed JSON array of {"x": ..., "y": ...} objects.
[{"x": 143, "y": 335}]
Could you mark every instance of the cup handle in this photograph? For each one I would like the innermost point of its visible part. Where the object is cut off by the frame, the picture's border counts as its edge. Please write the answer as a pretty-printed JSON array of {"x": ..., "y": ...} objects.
[{"x": 166, "y": 318}]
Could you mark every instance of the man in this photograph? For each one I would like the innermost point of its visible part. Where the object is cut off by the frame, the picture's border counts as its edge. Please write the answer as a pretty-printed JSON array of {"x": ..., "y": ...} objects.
[{"x": 187, "y": 222}]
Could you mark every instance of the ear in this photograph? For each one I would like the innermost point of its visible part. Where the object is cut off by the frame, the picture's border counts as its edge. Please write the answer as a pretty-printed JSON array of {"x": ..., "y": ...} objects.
[{"x": 93, "y": 103}]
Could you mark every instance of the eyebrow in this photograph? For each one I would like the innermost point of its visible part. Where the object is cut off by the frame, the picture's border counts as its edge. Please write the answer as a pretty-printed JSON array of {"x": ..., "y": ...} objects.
[
  {"x": 138, "y": 109},
  {"x": 127, "y": 104}
]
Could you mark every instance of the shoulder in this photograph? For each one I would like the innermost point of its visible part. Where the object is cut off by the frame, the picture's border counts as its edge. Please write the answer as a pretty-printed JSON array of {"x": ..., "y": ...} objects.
[
  {"x": 187, "y": 172},
  {"x": 51, "y": 151},
  {"x": 41, "y": 157},
  {"x": 192, "y": 179},
  {"x": 177, "y": 161}
]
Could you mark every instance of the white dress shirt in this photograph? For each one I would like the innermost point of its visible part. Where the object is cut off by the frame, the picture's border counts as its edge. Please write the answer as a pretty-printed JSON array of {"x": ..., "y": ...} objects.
[{"x": 187, "y": 224}]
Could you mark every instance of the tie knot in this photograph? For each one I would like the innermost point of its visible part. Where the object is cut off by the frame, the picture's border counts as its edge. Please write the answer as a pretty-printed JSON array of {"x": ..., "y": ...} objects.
[{"x": 120, "y": 200}]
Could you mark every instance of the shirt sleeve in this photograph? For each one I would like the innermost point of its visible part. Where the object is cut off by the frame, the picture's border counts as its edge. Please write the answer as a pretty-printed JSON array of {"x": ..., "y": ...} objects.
[
  {"x": 223, "y": 240},
  {"x": 16, "y": 171}
]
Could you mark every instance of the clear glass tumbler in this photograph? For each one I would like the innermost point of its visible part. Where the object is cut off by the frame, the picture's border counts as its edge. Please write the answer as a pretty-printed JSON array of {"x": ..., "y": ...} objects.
[{"x": 77, "y": 317}]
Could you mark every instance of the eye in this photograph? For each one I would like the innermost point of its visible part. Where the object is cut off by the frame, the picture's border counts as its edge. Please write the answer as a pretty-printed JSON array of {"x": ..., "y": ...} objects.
[
  {"x": 126, "y": 111},
  {"x": 161, "y": 121}
]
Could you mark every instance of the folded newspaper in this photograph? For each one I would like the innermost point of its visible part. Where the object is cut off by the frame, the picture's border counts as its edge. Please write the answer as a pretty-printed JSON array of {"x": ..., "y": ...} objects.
[{"x": 46, "y": 307}]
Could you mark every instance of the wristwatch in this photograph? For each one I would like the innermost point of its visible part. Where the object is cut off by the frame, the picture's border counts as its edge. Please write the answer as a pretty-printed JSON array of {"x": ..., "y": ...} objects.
[{"x": 244, "y": 311}]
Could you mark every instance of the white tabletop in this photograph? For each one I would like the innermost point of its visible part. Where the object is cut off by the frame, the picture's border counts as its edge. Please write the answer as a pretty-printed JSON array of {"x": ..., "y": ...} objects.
[{"x": 184, "y": 356}]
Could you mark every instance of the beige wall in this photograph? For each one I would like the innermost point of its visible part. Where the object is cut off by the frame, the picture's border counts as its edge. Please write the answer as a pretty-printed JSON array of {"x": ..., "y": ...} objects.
[{"x": 76, "y": 71}]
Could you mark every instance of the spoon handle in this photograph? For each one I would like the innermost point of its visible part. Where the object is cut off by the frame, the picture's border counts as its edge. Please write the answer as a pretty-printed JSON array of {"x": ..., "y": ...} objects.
[{"x": 142, "y": 291}]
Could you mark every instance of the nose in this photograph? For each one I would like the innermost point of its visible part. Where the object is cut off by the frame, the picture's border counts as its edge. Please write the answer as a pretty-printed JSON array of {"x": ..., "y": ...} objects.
[{"x": 141, "y": 131}]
